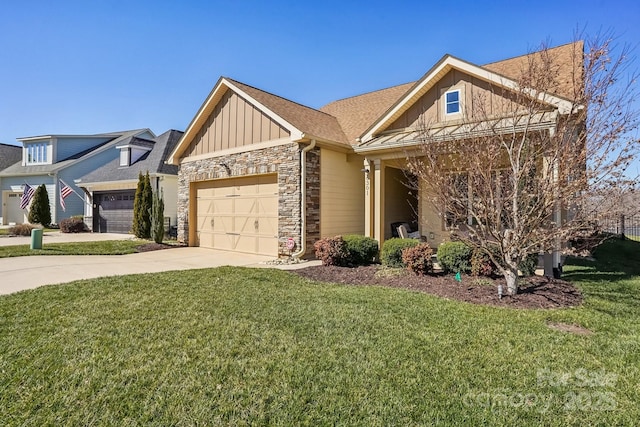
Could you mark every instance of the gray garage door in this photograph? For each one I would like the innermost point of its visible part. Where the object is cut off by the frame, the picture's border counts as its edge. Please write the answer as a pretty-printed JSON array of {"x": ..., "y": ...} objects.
[{"x": 113, "y": 211}]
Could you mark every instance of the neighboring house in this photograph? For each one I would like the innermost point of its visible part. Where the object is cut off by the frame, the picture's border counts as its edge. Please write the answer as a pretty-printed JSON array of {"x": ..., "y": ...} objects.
[
  {"x": 259, "y": 172},
  {"x": 111, "y": 187},
  {"x": 50, "y": 159},
  {"x": 9, "y": 154}
]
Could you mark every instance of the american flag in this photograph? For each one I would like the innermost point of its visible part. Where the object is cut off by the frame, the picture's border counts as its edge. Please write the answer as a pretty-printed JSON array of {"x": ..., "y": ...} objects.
[
  {"x": 27, "y": 194},
  {"x": 65, "y": 190}
]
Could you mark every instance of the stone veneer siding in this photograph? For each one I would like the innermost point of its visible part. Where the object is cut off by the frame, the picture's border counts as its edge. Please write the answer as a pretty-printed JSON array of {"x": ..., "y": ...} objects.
[{"x": 283, "y": 160}]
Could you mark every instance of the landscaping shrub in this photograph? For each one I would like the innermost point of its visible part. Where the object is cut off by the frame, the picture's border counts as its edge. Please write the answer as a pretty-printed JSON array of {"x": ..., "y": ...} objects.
[
  {"x": 142, "y": 205},
  {"x": 454, "y": 257},
  {"x": 23, "y": 229},
  {"x": 528, "y": 265},
  {"x": 391, "y": 253},
  {"x": 157, "y": 217},
  {"x": 75, "y": 224},
  {"x": 332, "y": 251},
  {"x": 418, "y": 259},
  {"x": 481, "y": 264},
  {"x": 361, "y": 250}
]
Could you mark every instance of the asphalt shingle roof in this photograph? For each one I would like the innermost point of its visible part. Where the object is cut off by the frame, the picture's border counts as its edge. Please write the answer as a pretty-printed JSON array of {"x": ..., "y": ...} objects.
[
  {"x": 153, "y": 161},
  {"x": 355, "y": 114},
  {"x": 9, "y": 154},
  {"x": 119, "y": 138}
]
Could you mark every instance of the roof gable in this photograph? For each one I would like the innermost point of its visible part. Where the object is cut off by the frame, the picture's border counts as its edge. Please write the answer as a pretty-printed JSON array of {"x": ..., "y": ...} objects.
[
  {"x": 437, "y": 72},
  {"x": 299, "y": 121}
]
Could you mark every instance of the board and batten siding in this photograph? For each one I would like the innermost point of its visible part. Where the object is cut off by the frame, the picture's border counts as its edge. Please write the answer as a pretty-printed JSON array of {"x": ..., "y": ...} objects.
[
  {"x": 473, "y": 92},
  {"x": 341, "y": 194},
  {"x": 234, "y": 123}
]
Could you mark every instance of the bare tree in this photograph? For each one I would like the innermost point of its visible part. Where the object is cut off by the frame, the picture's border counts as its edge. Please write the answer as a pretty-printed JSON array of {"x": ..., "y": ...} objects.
[{"x": 518, "y": 174}]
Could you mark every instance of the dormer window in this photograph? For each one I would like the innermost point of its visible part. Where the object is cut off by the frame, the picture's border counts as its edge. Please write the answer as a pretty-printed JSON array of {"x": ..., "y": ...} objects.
[
  {"x": 37, "y": 153},
  {"x": 125, "y": 156},
  {"x": 452, "y": 101},
  {"x": 131, "y": 153}
]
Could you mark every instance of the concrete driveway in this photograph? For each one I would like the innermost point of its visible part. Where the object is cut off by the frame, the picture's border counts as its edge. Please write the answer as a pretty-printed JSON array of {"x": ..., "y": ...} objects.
[{"x": 29, "y": 272}]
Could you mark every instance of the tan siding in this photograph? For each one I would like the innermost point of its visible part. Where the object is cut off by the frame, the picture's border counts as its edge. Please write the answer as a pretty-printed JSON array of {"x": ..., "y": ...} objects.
[
  {"x": 341, "y": 194},
  {"x": 234, "y": 123},
  {"x": 240, "y": 117},
  {"x": 476, "y": 95}
]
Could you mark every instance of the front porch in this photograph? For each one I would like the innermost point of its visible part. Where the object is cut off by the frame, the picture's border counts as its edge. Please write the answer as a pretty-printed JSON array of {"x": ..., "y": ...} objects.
[{"x": 393, "y": 195}]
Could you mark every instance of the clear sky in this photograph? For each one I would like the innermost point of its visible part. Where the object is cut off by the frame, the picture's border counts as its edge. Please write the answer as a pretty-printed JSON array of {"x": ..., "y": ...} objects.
[{"x": 71, "y": 67}]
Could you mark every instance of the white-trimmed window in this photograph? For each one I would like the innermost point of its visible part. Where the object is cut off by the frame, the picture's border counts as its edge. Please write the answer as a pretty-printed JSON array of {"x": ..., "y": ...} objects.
[
  {"x": 37, "y": 153},
  {"x": 125, "y": 156},
  {"x": 452, "y": 102}
]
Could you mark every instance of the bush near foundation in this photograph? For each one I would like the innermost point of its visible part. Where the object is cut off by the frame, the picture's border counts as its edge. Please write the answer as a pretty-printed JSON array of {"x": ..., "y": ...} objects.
[
  {"x": 361, "y": 250},
  {"x": 418, "y": 259},
  {"x": 391, "y": 253},
  {"x": 481, "y": 264},
  {"x": 332, "y": 251},
  {"x": 454, "y": 257}
]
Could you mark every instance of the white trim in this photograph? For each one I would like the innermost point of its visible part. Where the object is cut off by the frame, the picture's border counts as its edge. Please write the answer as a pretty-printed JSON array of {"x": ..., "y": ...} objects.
[
  {"x": 206, "y": 109},
  {"x": 447, "y": 63},
  {"x": 446, "y": 103},
  {"x": 237, "y": 150}
]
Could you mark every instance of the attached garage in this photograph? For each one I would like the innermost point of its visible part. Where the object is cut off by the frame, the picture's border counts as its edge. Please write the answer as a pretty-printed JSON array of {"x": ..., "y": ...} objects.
[
  {"x": 12, "y": 214},
  {"x": 113, "y": 211},
  {"x": 238, "y": 214}
]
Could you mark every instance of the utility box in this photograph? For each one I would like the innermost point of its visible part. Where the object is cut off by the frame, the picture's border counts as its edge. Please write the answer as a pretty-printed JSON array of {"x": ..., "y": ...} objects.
[{"x": 36, "y": 238}]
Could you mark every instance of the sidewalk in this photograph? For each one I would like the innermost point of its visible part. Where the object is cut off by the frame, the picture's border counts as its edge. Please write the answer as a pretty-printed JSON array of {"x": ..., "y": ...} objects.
[{"x": 58, "y": 237}]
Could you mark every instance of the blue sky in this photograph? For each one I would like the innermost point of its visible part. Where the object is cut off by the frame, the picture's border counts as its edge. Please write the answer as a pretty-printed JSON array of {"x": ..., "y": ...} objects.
[{"x": 97, "y": 66}]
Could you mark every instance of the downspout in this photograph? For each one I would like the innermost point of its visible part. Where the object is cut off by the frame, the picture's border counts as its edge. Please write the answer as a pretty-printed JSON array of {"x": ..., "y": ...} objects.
[{"x": 303, "y": 200}]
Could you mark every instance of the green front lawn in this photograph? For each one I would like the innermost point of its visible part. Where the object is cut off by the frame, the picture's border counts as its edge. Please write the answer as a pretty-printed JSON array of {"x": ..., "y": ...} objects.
[
  {"x": 5, "y": 231},
  {"x": 107, "y": 247},
  {"x": 235, "y": 346}
]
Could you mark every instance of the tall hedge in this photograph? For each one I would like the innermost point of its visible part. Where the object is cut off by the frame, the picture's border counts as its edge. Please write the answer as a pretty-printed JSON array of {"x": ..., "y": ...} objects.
[
  {"x": 40, "y": 210},
  {"x": 157, "y": 217},
  {"x": 142, "y": 206}
]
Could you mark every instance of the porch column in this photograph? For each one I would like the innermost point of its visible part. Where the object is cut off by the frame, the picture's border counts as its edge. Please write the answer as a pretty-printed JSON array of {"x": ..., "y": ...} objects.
[
  {"x": 552, "y": 261},
  {"x": 368, "y": 197},
  {"x": 379, "y": 200}
]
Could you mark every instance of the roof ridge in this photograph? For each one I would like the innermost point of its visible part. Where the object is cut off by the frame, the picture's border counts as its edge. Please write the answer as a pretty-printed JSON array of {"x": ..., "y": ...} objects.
[
  {"x": 368, "y": 93},
  {"x": 531, "y": 53},
  {"x": 277, "y": 96}
]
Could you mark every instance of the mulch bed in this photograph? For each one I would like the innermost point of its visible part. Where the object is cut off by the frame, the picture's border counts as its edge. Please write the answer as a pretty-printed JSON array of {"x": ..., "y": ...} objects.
[
  {"x": 534, "y": 292},
  {"x": 148, "y": 247}
]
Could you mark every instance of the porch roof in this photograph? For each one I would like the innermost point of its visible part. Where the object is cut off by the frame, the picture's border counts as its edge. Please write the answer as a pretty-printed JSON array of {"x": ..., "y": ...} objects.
[{"x": 459, "y": 130}]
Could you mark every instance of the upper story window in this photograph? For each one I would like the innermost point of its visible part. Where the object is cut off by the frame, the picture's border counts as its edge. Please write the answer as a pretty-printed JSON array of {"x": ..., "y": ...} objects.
[
  {"x": 125, "y": 156},
  {"x": 452, "y": 101},
  {"x": 37, "y": 153}
]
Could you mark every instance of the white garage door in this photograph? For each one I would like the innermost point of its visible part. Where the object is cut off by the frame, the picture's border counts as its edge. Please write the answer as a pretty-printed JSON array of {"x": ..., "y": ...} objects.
[
  {"x": 238, "y": 214},
  {"x": 12, "y": 212}
]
